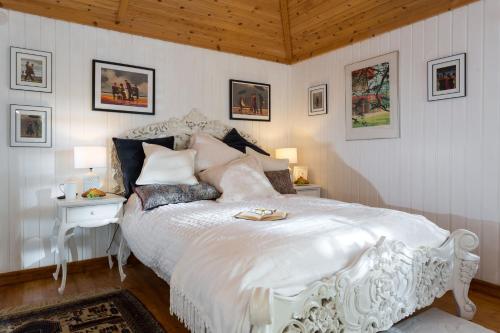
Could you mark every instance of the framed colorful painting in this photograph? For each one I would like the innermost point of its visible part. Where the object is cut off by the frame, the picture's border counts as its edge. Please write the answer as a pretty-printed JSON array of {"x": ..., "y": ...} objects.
[
  {"x": 249, "y": 100},
  {"x": 446, "y": 77},
  {"x": 123, "y": 88},
  {"x": 372, "y": 105},
  {"x": 30, "y": 126},
  {"x": 318, "y": 101},
  {"x": 30, "y": 70}
]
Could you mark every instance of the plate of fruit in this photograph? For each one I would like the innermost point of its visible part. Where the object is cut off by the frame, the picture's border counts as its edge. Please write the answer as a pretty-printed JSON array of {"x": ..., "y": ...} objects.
[{"x": 93, "y": 193}]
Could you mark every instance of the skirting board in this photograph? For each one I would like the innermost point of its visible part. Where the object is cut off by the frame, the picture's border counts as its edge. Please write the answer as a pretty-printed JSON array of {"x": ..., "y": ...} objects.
[
  {"x": 27, "y": 275},
  {"x": 81, "y": 266}
]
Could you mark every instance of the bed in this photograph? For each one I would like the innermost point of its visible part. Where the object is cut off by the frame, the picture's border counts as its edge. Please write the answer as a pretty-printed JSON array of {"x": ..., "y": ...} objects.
[{"x": 331, "y": 267}]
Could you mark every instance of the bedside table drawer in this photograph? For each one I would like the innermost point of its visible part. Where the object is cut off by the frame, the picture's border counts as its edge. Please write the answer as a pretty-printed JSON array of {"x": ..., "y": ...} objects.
[
  {"x": 92, "y": 212},
  {"x": 316, "y": 192}
]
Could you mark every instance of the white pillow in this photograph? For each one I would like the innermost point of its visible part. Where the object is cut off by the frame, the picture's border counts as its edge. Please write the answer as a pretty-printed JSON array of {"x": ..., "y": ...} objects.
[
  {"x": 268, "y": 163},
  {"x": 167, "y": 166},
  {"x": 241, "y": 179},
  {"x": 211, "y": 152}
]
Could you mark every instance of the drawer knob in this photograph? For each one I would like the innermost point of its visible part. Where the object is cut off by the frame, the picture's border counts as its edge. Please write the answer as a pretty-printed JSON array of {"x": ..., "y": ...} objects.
[{"x": 92, "y": 213}]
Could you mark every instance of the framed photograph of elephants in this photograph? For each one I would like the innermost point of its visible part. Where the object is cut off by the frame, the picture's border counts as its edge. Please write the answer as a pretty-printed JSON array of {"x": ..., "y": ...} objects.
[
  {"x": 372, "y": 105},
  {"x": 249, "y": 101},
  {"x": 30, "y": 70},
  {"x": 123, "y": 88}
]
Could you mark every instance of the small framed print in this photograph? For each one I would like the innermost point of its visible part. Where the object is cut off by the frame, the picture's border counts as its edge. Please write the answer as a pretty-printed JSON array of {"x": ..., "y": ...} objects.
[
  {"x": 123, "y": 88},
  {"x": 446, "y": 77},
  {"x": 30, "y": 70},
  {"x": 30, "y": 126},
  {"x": 249, "y": 101},
  {"x": 318, "y": 100}
]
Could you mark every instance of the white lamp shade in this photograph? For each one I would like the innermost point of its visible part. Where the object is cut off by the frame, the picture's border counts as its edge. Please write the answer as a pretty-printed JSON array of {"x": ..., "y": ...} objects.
[
  {"x": 287, "y": 153},
  {"x": 90, "y": 157}
]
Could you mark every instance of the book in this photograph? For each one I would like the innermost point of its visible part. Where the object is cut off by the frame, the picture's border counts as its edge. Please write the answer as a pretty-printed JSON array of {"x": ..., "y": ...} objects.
[{"x": 261, "y": 214}]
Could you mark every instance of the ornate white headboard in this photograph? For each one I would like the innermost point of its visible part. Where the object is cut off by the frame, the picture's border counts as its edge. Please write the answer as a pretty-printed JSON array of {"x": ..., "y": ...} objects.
[{"x": 181, "y": 129}]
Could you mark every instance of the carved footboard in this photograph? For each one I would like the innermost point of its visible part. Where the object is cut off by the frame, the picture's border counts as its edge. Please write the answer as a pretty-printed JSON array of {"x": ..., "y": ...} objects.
[{"x": 386, "y": 284}]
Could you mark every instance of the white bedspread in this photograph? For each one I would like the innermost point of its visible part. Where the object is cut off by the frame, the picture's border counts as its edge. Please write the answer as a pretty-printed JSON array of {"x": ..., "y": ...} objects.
[{"x": 218, "y": 259}]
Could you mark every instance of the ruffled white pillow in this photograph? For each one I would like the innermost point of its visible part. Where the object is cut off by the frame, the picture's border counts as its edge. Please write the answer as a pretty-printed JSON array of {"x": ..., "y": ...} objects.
[
  {"x": 241, "y": 179},
  {"x": 268, "y": 163},
  {"x": 167, "y": 166},
  {"x": 211, "y": 152}
]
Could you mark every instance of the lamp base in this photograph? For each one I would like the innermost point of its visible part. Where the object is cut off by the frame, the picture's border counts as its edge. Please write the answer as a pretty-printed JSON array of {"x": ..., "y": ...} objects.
[{"x": 91, "y": 180}]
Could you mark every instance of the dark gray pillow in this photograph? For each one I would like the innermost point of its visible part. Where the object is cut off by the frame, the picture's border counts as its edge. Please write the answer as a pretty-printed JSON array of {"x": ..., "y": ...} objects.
[
  {"x": 156, "y": 195},
  {"x": 281, "y": 181}
]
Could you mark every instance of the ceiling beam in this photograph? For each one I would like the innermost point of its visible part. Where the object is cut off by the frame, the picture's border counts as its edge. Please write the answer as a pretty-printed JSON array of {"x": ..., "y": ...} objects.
[
  {"x": 122, "y": 11},
  {"x": 285, "y": 22}
]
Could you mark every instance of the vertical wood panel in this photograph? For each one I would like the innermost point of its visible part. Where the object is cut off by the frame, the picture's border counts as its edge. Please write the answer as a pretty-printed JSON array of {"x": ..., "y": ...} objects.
[
  {"x": 446, "y": 163},
  {"x": 186, "y": 78}
]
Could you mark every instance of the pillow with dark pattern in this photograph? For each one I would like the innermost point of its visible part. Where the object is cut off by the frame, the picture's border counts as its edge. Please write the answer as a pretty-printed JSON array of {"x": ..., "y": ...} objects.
[
  {"x": 156, "y": 195},
  {"x": 281, "y": 181}
]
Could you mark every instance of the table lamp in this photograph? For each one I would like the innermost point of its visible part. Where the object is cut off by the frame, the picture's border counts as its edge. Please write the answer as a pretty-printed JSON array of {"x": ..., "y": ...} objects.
[
  {"x": 90, "y": 157},
  {"x": 287, "y": 153}
]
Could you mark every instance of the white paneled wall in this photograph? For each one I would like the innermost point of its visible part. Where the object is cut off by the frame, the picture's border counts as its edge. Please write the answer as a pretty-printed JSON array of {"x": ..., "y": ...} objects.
[
  {"x": 186, "y": 78},
  {"x": 446, "y": 165}
]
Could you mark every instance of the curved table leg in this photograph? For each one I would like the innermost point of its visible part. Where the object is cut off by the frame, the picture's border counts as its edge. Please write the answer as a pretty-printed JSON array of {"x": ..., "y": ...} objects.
[
  {"x": 120, "y": 258},
  {"x": 62, "y": 258}
]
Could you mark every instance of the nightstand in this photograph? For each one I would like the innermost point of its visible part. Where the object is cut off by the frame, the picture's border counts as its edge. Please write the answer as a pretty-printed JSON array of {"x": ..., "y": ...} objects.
[
  {"x": 84, "y": 213},
  {"x": 309, "y": 190}
]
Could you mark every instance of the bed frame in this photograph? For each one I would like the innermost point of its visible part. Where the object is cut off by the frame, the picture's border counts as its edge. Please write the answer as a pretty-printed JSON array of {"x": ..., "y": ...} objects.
[{"x": 387, "y": 283}]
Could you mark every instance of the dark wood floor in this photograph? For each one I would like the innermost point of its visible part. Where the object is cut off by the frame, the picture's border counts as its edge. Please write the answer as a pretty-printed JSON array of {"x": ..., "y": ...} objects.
[{"x": 154, "y": 293}]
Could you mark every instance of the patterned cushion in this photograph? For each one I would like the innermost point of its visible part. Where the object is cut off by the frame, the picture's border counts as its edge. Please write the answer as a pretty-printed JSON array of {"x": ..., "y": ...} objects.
[
  {"x": 156, "y": 195},
  {"x": 281, "y": 181}
]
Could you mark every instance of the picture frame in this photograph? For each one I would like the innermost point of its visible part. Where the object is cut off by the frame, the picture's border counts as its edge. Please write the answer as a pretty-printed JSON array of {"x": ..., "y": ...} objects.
[
  {"x": 318, "y": 100},
  {"x": 447, "y": 77},
  {"x": 122, "y": 88},
  {"x": 372, "y": 98},
  {"x": 30, "y": 70},
  {"x": 30, "y": 126},
  {"x": 249, "y": 100}
]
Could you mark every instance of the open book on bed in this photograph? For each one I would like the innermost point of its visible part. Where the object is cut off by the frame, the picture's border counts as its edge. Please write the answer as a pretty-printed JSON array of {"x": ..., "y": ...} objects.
[{"x": 261, "y": 214}]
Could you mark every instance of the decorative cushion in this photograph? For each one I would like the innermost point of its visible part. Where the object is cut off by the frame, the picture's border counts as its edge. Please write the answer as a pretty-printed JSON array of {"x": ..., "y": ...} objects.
[
  {"x": 241, "y": 179},
  {"x": 167, "y": 166},
  {"x": 268, "y": 163},
  {"x": 211, "y": 152},
  {"x": 156, "y": 195},
  {"x": 131, "y": 156},
  {"x": 235, "y": 140},
  {"x": 281, "y": 181}
]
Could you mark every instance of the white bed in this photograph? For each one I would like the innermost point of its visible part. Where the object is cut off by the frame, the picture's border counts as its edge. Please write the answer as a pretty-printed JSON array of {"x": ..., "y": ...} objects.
[{"x": 329, "y": 267}]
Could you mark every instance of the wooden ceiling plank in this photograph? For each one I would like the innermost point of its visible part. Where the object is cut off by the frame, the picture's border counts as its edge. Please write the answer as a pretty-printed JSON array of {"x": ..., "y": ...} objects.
[
  {"x": 430, "y": 9},
  {"x": 122, "y": 11},
  {"x": 285, "y": 21},
  {"x": 179, "y": 15}
]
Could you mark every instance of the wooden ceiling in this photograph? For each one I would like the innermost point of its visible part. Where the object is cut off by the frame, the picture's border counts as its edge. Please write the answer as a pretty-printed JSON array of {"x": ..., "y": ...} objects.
[{"x": 285, "y": 31}]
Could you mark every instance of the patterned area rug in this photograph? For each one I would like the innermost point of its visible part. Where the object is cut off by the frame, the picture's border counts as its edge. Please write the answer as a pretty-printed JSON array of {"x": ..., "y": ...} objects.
[{"x": 115, "y": 312}]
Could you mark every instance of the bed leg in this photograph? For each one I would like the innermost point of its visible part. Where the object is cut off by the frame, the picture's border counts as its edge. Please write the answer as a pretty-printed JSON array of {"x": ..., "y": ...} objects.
[{"x": 465, "y": 268}]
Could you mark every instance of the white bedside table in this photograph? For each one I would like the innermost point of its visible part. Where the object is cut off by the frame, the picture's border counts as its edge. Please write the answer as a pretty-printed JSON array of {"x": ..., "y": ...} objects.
[
  {"x": 309, "y": 190},
  {"x": 84, "y": 213}
]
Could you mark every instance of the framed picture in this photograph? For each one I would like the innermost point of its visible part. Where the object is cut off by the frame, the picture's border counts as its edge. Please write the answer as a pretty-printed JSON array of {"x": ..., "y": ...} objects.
[
  {"x": 372, "y": 105},
  {"x": 123, "y": 88},
  {"x": 249, "y": 100},
  {"x": 446, "y": 77},
  {"x": 30, "y": 70},
  {"x": 30, "y": 126},
  {"x": 318, "y": 100}
]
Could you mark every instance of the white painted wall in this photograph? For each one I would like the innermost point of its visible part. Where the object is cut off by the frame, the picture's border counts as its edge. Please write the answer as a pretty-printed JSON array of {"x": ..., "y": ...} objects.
[
  {"x": 446, "y": 165},
  {"x": 186, "y": 78}
]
